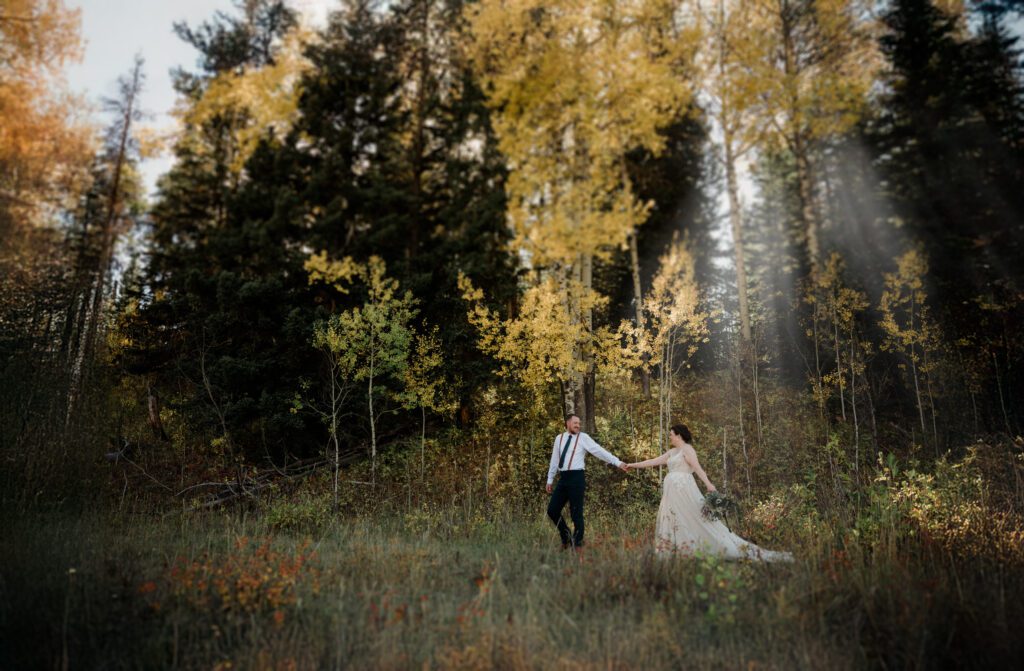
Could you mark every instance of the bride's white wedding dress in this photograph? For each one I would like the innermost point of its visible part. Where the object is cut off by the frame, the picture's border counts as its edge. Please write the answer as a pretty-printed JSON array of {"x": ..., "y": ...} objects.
[{"x": 682, "y": 528}]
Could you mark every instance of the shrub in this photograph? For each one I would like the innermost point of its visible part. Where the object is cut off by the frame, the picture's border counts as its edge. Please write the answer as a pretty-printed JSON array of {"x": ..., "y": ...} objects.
[{"x": 308, "y": 512}]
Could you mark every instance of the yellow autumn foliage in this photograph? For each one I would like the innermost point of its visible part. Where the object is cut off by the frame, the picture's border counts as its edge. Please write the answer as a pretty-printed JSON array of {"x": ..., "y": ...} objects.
[
  {"x": 674, "y": 306},
  {"x": 814, "y": 63},
  {"x": 537, "y": 347},
  {"x": 575, "y": 85},
  {"x": 263, "y": 99}
]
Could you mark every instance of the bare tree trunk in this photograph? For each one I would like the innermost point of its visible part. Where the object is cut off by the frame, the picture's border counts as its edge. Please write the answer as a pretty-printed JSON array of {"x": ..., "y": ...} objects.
[
  {"x": 1002, "y": 401},
  {"x": 335, "y": 409},
  {"x": 817, "y": 366},
  {"x": 806, "y": 191},
  {"x": 839, "y": 363},
  {"x": 670, "y": 356},
  {"x": 757, "y": 390},
  {"x": 79, "y": 351},
  {"x": 931, "y": 405},
  {"x": 662, "y": 400},
  {"x": 573, "y": 383},
  {"x": 725, "y": 460},
  {"x": 569, "y": 396},
  {"x": 423, "y": 442},
  {"x": 641, "y": 323},
  {"x": 853, "y": 407},
  {"x": 418, "y": 146},
  {"x": 913, "y": 368},
  {"x": 373, "y": 423},
  {"x": 589, "y": 405},
  {"x": 795, "y": 136},
  {"x": 208, "y": 386},
  {"x": 917, "y": 390},
  {"x": 743, "y": 433},
  {"x": 74, "y": 316},
  {"x": 974, "y": 412},
  {"x": 127, "y": 107},
  {"x": 667, "y": 408},
  {"x": 587, "y": 386},
  {"x": 736, "y": 221},
  {"x": 871, "y": 410},
  {"x": 487, "y": 470}
]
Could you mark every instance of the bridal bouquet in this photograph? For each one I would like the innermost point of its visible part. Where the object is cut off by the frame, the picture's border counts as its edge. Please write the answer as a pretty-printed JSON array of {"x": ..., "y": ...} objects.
[{"x": 717, "y": 506}]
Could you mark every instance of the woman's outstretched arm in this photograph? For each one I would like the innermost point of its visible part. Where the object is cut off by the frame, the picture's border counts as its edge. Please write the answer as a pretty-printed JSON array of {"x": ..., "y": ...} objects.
[
  {"x": 690, "y": 455},
  {"x": 651, "y": 463}
]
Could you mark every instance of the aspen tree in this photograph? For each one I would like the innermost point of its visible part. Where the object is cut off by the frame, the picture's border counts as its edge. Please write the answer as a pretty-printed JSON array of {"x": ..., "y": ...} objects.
[
  {"x": 371, "y": 342},
  {"x": 575, "y": 85},
  {"x": 910, "y": 331},
  {"x": 814, "y": 65}
]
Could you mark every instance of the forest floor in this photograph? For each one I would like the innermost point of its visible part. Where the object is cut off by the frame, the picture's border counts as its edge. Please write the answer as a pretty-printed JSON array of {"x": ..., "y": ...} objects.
[{"x": 464, "y": 589}]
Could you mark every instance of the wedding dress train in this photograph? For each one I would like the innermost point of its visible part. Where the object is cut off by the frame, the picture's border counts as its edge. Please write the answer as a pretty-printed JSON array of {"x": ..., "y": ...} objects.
[{"x": 683, "y": 529}]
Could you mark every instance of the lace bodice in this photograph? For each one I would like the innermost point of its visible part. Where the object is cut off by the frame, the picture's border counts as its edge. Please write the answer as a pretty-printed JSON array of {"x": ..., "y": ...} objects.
[{"x": 677, "y": 463}]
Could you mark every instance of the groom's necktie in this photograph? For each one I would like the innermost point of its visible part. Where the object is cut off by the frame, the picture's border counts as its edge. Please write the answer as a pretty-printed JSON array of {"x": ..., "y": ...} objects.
[{"x": 561, "y": 460}]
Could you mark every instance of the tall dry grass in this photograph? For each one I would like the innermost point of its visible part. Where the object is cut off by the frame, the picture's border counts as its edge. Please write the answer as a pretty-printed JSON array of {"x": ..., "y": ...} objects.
[{"x": 489, "y": 587}]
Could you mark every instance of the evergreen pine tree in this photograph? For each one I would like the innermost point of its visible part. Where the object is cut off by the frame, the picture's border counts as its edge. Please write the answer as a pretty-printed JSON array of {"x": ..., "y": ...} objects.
[
  {"x": 949, "y": 150},
  {"x": 217, "y": 325}
]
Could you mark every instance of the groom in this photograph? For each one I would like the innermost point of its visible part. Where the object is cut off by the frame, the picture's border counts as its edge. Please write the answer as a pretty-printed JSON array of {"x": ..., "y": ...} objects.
[{"x": 567, "y": 456}]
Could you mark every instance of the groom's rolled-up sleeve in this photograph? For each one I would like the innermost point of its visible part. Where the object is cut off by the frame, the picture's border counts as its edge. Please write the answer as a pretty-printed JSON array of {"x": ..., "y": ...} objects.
[
  {"x": 553, "y": 467},
  {"x": 604, "y": 455}
]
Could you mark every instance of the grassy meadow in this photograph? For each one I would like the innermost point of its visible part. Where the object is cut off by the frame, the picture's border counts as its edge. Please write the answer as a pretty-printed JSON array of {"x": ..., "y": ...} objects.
[{"x": 925, "y": 576}]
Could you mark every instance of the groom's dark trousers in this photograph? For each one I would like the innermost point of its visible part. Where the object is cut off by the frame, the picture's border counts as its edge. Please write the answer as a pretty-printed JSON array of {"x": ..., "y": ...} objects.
[{"x": 570, "y": 488}]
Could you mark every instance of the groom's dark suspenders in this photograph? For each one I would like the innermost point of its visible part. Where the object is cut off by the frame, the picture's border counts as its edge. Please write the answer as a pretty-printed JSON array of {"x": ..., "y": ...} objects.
[
  {"x": 561, "y": 459},
  {"x": 569, "y": 490}
]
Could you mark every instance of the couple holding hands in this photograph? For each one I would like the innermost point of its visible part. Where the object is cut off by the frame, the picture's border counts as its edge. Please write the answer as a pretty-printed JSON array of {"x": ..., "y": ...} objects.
[{"x": 681, "y": 527}]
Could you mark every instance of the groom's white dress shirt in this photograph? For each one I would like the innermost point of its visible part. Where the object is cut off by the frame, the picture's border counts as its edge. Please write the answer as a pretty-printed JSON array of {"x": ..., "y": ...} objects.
[{"x": 574, "y": 462}]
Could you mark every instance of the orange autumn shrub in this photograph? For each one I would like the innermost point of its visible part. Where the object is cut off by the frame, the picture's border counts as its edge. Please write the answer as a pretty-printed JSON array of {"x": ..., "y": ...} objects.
[{"x": 255, "y": 578}]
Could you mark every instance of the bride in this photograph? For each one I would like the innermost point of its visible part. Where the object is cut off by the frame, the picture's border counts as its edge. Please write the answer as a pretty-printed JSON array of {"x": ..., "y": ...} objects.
[{"x": 681, "y": 526}]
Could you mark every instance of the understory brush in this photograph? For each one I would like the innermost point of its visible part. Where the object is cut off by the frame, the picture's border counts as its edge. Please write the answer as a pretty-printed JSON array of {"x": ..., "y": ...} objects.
[{"x": 484, "y": 586}]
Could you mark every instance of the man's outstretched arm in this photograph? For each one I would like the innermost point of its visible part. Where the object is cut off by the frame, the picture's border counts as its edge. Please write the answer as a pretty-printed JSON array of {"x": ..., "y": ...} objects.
[{"x": 590, "y": 445}]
